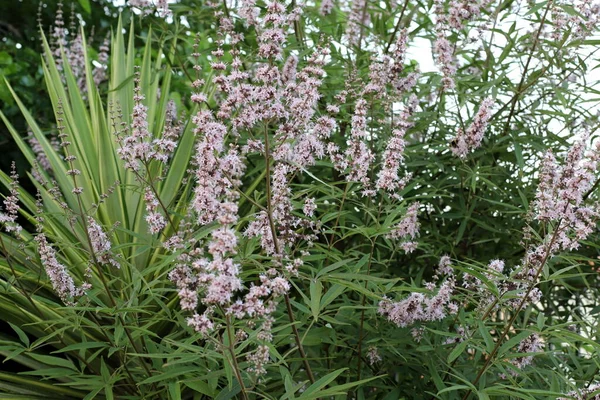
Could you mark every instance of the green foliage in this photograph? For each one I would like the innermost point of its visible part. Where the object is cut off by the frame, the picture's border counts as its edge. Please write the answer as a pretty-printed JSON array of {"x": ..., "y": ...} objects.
[{"x": 128, "y": 336}]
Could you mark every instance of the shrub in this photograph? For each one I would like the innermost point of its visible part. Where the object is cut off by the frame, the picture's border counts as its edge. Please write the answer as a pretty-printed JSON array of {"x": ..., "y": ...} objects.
[{"x": 316, "y": 218}]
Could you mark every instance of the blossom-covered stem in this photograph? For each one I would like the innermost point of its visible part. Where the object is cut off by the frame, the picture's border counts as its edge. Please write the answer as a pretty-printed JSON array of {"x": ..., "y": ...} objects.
[
  {"x": 288, "y": 303},
  {"x": 297, "y": 30},
  {"x": 362, "y": 314},
  {"x": 234, "y": 363},
  {"x": 396, "y": 28},
  {"x": 93, "y": 254},
  {"x": 536, "y": 40},
  {"x": 517, "y": 310},
  {"x": 160, "y": 202},
  {"x": 26, "y": 294},
  {"x": 483, "y": 318},
  {"x": 268, "y": 183},
  {"x": 147, "y": 182}
]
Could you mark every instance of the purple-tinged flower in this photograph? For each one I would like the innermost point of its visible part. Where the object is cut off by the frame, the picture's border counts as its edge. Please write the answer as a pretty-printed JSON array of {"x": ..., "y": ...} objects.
[
  {"x": 445, "y": 266},
  {"x": 258, "y": 360},
  {"x": 145, "y": 6},
  {"x": 373, "y": 355},
  {"x": 309, "y": 207},
  {"x": 471, "y": 139},
  {"x": 408, "y": 228},
  {"x": 586, "y": 393},
  {"x": 156, "y": 222},
  {"x": 99, "y": 72},
  {"x": 11, "y": 205},
  {"x": 531, "y": 344},
  {"x": 418, "y": 307},
  {"x": 201, "y": 323},
  {"x": 358, "y": 17},
  {"x": 398, "y": 54},
  {"x": 100, "y": 244},
  {"x": 358, "y": 155},
  {"x": 387, "y": 178},
  {"x": 62, "y": 282},
  {"x": 326, "y": 7}
]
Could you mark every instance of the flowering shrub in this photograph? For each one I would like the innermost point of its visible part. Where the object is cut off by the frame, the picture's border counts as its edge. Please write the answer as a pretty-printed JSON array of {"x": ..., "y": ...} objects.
[{"x": 317, "y": 216}]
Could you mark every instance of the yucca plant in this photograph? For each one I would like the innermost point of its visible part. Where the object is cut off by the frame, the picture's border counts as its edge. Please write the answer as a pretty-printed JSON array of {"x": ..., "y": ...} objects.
[{"x": 311, "y": 220}]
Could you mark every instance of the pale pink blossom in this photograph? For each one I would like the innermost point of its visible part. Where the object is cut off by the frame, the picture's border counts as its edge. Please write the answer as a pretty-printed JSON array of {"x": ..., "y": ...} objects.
[
  {"x": 258, "y": 360},
  {"x": 466, "y": 141},
  {"x": 201, "y": 323},
  {"x": 358, "y": 154},
  {"x": 387, "y": 177},
  {"x": 531, "y": 344},
  {"x": 326, "y": 7},
  {"x": 61, "y": 280},
  {"x": 373, "y": 355},
  {"x": 358, "y": 17},
  {"x": 11, "y": 205},
  {"x": 100, "y": 244},
  {"x": 408, "y": 228},
  {"x": 309, "y": 207}
]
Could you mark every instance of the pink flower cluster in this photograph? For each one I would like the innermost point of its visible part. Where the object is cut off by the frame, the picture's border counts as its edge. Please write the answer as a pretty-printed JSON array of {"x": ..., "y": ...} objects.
[
  {"x": 562, "y": 191},
  {"x": 135, "y": 148},
  {"x": 99, "y": 72},
  {"x": 62, "y": 282},
  {"x": 100, "y": 244},
  {"x": 358, "y": 18},
  {"x": 11, "y": 205},
  {"x": 464, "y": 142},
  {"x": 358, "y": 154},
  {"x": 531, "y": 344},
  {"x": 387, "y": 178},
  {"x": 588, "y": 392},
  {"x": 147, "y": 7},
  {"x": 407, "y": 229},
  {"x": 418, "y": 307}
]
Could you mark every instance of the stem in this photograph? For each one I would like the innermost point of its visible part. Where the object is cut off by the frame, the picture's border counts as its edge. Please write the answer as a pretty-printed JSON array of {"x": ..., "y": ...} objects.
[
  {"x": 362, "y": 314},
  {"x": 337, "y": 220},
  {"x": 95, "y": 259},
  {"x": 517, "y": 311},
  {"x": 362, "y": 25},
  {"x": 526, "y": 69},
  {"x": 290, "y": 313},
  {"x": 235, "y": 365},
  {"x": 288, "y": 304},
  {"x": 396, "y": 28}
]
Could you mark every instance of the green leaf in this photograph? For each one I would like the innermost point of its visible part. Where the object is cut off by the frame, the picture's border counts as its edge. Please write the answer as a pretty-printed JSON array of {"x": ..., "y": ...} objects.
[
  {"x": 457, "y": 351},
  {"x": 22, "y": 335},
  {"x": 487, "y": 338},
  {"x": 85, "y": 4},
  {"x": 316, "y": 289},
  {"x": 321, "y": 383},
  {"x": 55, "y": 361}
]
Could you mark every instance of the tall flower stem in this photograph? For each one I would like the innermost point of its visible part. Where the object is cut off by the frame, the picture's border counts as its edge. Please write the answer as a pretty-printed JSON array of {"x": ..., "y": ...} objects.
[
  {"x": 95, "y": 259},
  {"x": 234, "y": 363},
  {"x": 25, "y": 294},
  {"x": 362, "y": 313},
  {"x": 288, "y": 303},
  {"x": 396, "y": 28},
  {"x": 517, "y": 311}
]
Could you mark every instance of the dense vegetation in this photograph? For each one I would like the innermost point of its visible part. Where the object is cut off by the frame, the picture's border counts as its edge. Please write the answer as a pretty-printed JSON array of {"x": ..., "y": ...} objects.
[{"x": 268, "y": 200}]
